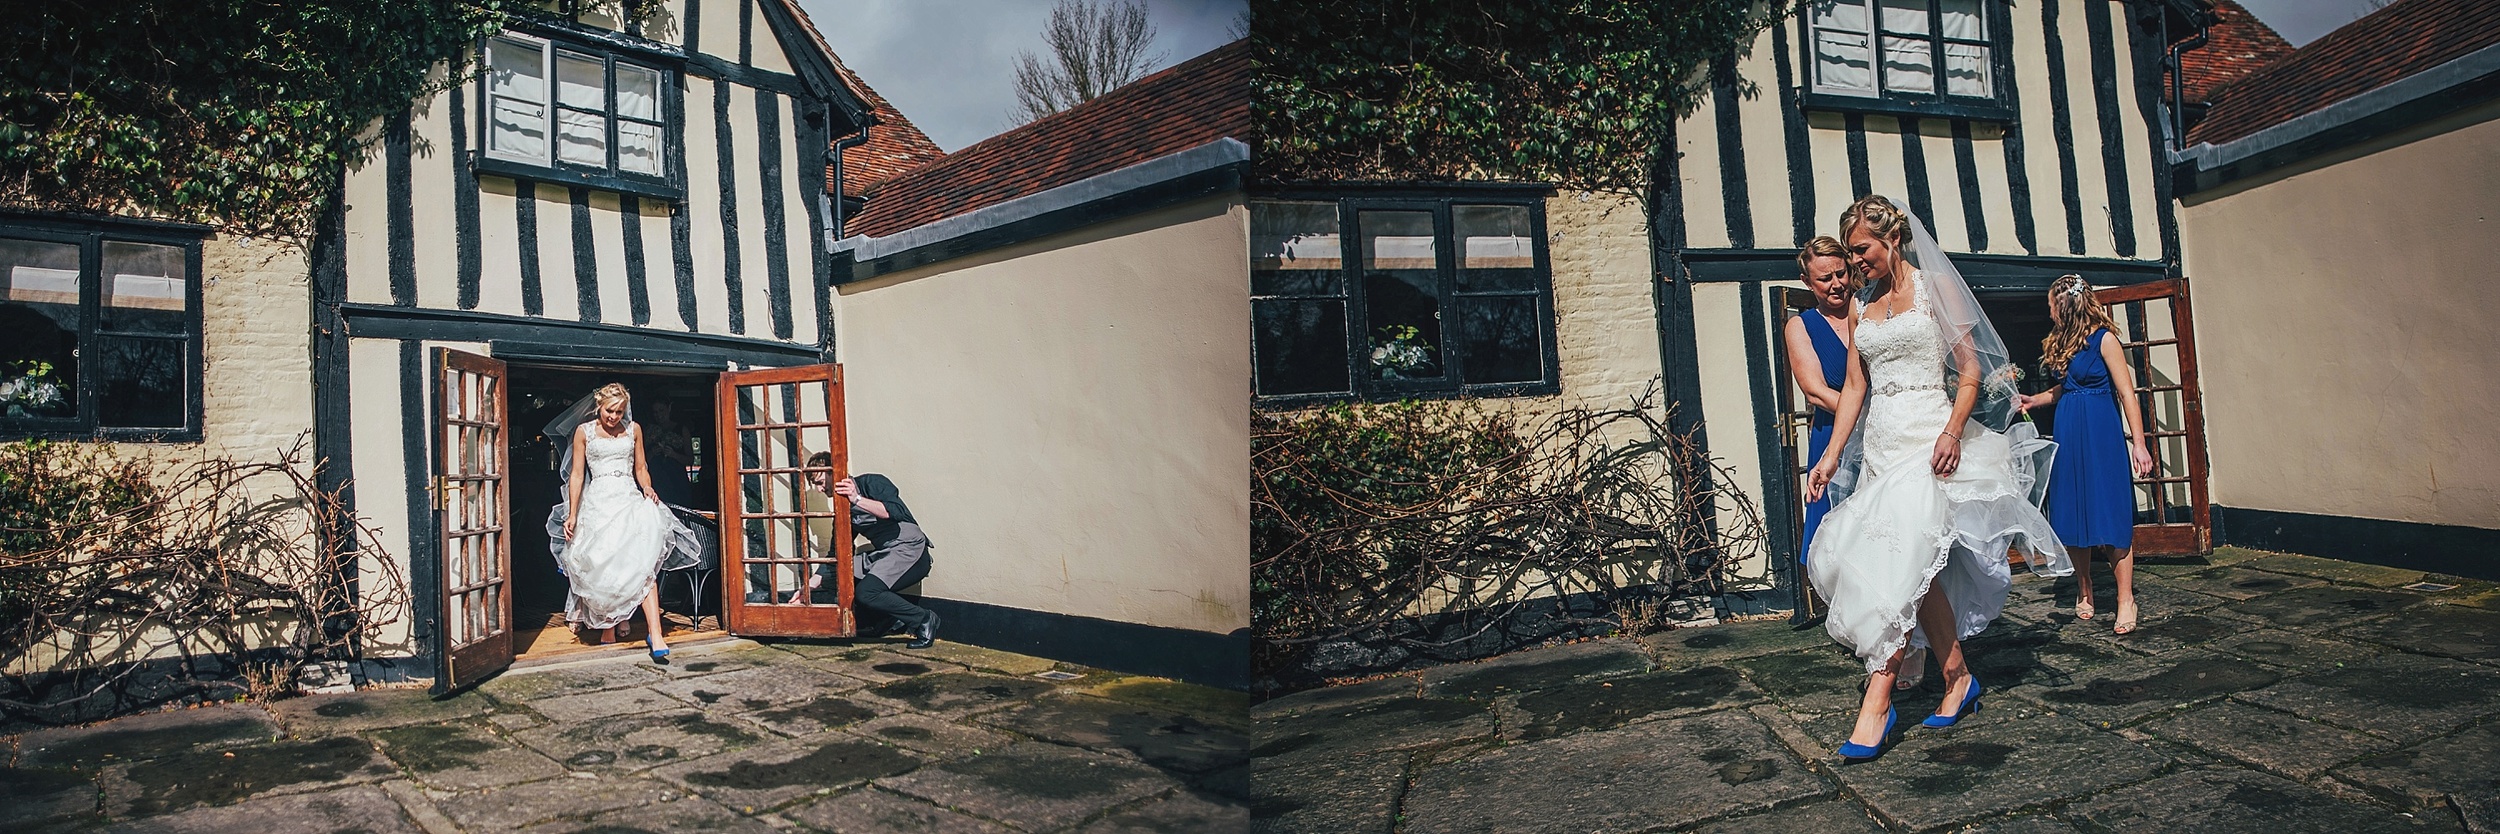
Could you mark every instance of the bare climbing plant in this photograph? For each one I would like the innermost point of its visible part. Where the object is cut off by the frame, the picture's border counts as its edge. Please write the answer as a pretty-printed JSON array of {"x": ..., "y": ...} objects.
[{"x": 119, "y": 588}]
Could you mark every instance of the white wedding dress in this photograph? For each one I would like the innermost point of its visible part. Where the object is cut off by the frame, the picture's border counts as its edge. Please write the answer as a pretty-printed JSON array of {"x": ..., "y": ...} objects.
[
  {"x": 1902, "y": 525},
  {"x": 617, "y": 547}
]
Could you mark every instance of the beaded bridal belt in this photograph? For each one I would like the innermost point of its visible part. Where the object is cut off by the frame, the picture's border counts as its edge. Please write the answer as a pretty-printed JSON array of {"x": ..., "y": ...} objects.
[{"x": 1898, "y": 388}]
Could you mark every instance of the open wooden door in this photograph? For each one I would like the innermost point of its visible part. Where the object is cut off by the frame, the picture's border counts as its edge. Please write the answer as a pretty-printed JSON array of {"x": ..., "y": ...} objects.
[
  {"x": 1796, "y": 418},
  {"x": 785, "y": 544},
  {"x": 471, "y": 506},
  {"x": 2173, "y": 514}
]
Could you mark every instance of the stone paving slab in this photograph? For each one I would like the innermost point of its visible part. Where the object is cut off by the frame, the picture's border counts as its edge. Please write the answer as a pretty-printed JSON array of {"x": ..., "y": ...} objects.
[
  {"x": 2462, "y": 766},
  {"x": 2293, "y": 650},
  {"x": 29, "y": 796},
  {"x": 363, "y": 808},
  {"x": 2240, "y": 582},
  {"x": 1813, "y": 681},
  {"x": 355, "y": 712},
  {"x": 2237, "y": 800},
  {"x": 224, "y": 777},
  {"x": 2442, "y": 630},
  {"x": 515, "y": 806},
  {"x": 1336, "y": 697},
  {"x": 701, "y": 661},
  {"x": 765, "y": 776},
  {"x": 2325, "y": 606},
  {"x": 636, "y": 742},
  {"x": 1165, "y": 740},
  {"x": 2275, "y": 741},
  {"x": 2405, "y": 698},
  {"x": 2121, "y": 694},
  {"x": 954, "y": 694},
  {"x": 1933, "y": 778},
  {"x": 594, "y": 706},
  {"x": 759, "y": 687},
  {"x": 2011, "y": 655},
  {"x": 462, "y": 756},
  {"x": 865, "y": 663},
  {"x": 1033, "y": 786},
  {"x": 2021, "y": 824},
  {"x": 1827, "y": 817},
  {"x": 570, "y": 679},
  {"x": 1335, "y": 795},
  {"x": 872, "y": 811},
  {"x": 684, "y": 814},
  {"x": 1401, "y": 724},
  {"x": 1663, "y": 773},
  {"x": 976, "y": 657},
  {"x": 147, "y": 736},
  {"x": 1719, "y": 644},
  {"x": 2348, "y": 573},
  {"x": 2158, "y": 635},
  {"x": 932, "y": 737},
  {"x": 823, "y": 713},
  {"x": 1606, "y": 704},
  {"x": 1207, "y": 703},
  {"x": 1524, "y": 671},
  {"x": 1183, "y": 811}
]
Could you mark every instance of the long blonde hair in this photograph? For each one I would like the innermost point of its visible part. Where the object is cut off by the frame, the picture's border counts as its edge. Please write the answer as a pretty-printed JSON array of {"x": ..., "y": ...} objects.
[{"x": 2079, "y": 313}]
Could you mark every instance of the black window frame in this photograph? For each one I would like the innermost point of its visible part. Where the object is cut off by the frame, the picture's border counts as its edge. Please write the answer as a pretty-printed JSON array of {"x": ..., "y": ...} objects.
[
  {"x": 1996, "y": 16},
  {"x": 90, "y": 236},
  {"x": 610, "y": 50},
  {"x": 1441, "y": 203}
]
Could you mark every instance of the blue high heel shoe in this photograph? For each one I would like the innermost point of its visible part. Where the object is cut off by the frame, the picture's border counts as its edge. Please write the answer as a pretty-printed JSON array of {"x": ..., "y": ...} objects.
[
  {"x": 1852, "y": 752},
  {"x": 1970, "y": 704},
  {"x": 658, "y": 655}
]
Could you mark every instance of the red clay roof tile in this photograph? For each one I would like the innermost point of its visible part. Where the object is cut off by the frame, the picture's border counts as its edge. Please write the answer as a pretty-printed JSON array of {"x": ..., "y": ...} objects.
[
  {"x": 2389, "y": 44},
  {"x": 2236, "y": 45}
]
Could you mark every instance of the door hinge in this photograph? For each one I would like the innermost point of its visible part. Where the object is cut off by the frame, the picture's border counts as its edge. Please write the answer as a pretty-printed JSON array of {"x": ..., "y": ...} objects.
[{"x": 442, "y": 485}]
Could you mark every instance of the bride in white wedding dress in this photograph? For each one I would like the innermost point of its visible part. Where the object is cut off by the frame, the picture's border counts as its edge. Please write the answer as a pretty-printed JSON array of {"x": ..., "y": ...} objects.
[
  {"x": 615, "y": 529},
  {"x": 1935, "y": 481}
]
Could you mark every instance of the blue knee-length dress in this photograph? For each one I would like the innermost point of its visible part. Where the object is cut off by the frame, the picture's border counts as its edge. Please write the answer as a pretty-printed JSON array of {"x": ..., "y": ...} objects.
[
  {"x": 2091, "y": 498},
  {"x": 1834, "y": 356}
]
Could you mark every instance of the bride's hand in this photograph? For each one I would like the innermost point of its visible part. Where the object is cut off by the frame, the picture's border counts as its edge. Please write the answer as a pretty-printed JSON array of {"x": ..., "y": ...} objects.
[
  {"x": 648, "y": 493},
  {"x": 1948, "y": 454},
  {"x": 569, "y": 521},
  {"x": 1819, "y": 478}
]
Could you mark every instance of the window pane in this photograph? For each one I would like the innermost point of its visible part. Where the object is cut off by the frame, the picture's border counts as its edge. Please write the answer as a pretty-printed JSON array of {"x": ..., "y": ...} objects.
[
  {"x": 38, "y": 329},
  {"x": 1398, "y": 240},
  {"x": 1966, "y": 70},
  {"x": 638, "y": 147},
  {"x": 1501, "y": 339},
  {"x": 518, "y": 128},
  {"x": 582, "y": 137},
  {"x": 1909, "y": 66},
  {"x": 637, "y": 92},
  {"x": 516, "y": 69},
  {"x": 1299, "y": 236},
  {"x": 1401, "y": 295},
  {"x": 1495, "y": 237},
  {"x": 147, "y": 289},
  {"x": 1841, "y": 14},
  {"x": 1299, "y": 347},
  {"x": 581, "y": 81},
  {"x": 1962, "y": 19},
  {"x": 1266, "y": 282},
  {"x": 1907, "y": 17},
  {"x": 139, "y": 382},
  {"x": 1842, "y": 60}
]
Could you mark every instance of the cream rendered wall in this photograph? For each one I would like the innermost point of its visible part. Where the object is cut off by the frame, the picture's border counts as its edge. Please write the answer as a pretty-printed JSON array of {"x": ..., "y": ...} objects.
[
  {"x": 1069, "y": 417},
  {"x": 2345, "y": 359}
]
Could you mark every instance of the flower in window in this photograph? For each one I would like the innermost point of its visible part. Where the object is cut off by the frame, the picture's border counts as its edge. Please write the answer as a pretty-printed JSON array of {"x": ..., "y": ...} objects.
[
  {"x": 29, "y": 387},
  {"x": 1400, "y": 350}
]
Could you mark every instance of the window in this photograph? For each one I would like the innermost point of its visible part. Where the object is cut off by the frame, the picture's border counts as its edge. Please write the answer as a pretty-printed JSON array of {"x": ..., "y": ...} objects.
[
  {"x": 1912, "y": 51},
  {"x": 555, "y": 107},
  {"x": 99, "y": 333},
  {"x": 1433, "y": 296}
]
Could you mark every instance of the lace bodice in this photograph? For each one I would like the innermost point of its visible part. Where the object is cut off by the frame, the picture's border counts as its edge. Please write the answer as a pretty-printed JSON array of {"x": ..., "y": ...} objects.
[
  {"x": 606, "y": 456},
  {"x": 1904, "y": 352}
]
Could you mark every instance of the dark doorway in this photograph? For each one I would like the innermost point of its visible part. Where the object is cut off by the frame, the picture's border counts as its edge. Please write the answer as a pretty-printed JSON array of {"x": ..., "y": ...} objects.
[
  {"x": 2022, "y": 320},
  {"x": 676, "y": 411}
]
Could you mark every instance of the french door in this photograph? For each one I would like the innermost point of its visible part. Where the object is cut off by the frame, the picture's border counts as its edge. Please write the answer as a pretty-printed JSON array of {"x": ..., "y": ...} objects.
[
  {"x": 471, "y": 507},
  {"x": 2173, "y": 513},
  {"x": 785, "y": 543},
  {"x": 1796, "y": 418}
]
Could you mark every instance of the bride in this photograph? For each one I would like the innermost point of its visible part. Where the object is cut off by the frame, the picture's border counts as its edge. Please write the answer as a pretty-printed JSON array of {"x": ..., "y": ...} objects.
[
  {"x": 1940, "y": 482},
  {"x": 615, "y": 530}
]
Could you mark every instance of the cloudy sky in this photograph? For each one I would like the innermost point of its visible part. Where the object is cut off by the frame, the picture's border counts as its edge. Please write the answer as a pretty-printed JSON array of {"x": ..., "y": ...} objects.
[
  {"x": 2302, "y": 21},
  {"x": 949, "y": 65}
]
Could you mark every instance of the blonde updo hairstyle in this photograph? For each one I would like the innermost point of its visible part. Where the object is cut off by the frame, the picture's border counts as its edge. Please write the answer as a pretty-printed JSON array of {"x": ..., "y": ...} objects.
[
  {"x": 2079, "y": 312},
  {"x": 611, "y": 393},
  {"x": 1880, "y": 217}
]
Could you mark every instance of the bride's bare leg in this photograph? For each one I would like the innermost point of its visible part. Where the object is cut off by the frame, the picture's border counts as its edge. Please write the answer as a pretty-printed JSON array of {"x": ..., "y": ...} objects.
[
  {"x": 2082, "y": 557},
  {"x": 1935, "y": 619},
  {"x": 651, "y": 614},
  {"x": 1871, "y": 706}
]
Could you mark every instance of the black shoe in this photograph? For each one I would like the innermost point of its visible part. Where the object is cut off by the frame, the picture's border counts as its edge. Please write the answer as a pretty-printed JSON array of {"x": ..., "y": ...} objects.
[{"x": 925, "y": 635}]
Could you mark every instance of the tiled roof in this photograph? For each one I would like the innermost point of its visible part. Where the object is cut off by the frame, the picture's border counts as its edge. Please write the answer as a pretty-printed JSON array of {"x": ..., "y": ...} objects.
[
  {"x": 1190, "y": 104},
  {"x": 894, "y": 145},
  {"x": 2235, "y": 45},
  {"x": 2389, "y": 44}
]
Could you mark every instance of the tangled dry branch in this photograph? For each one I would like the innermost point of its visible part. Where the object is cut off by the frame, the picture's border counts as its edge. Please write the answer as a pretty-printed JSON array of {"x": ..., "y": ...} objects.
[
  {"x": 225, "y": 569},
  {"x": 1366, "y": 514}
]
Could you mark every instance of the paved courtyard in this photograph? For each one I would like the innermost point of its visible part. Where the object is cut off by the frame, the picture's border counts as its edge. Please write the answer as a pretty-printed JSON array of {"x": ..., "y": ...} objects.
[
  {"x": 2263, "y": 692},
  {"x": 734, "y": 736}
]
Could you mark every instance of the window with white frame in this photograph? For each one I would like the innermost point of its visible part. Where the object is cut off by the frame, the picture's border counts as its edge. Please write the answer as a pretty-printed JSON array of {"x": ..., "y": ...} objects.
[
  {"x": 1920, "y": 50},
  {"x": 558, "y": 107}
]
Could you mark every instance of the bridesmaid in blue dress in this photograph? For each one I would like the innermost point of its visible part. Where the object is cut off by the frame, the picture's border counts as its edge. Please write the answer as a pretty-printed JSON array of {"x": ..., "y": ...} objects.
[{"x": 2100, "y": 443}]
